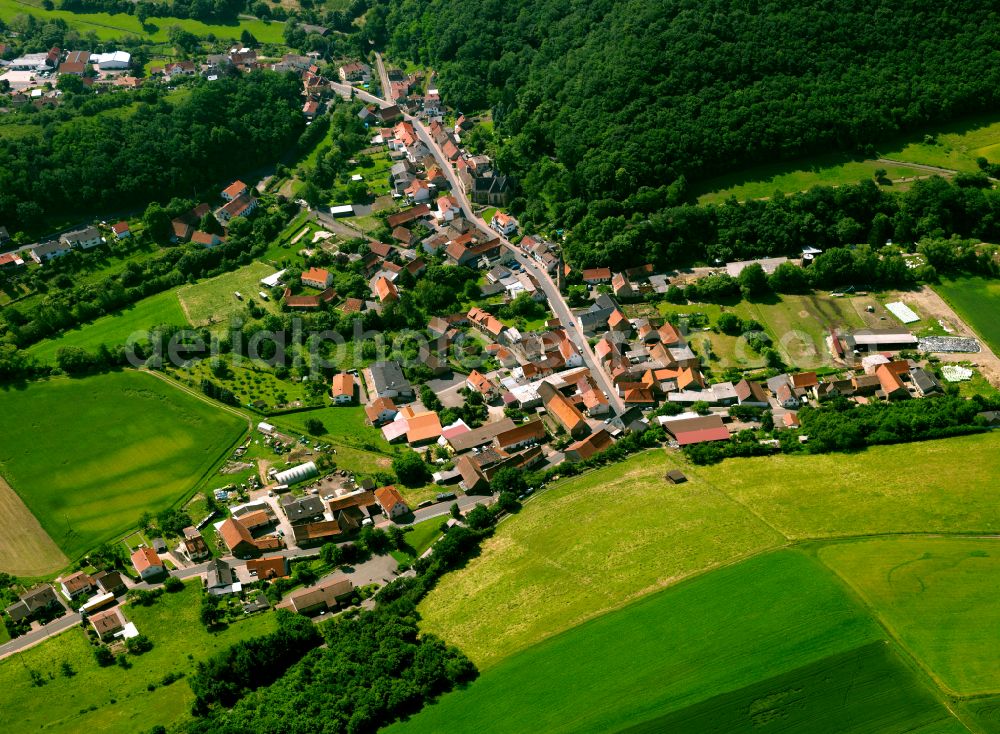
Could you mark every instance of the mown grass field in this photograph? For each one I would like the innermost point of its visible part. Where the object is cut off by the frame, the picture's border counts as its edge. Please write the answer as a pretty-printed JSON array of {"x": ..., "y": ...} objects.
[
  {"x": 955, "y": 146},
  {"x": 87, "y": 456},
  {"x": 864, "y": 690},
  {"x": 931, "y": 486},
  {"x": 212, "y": 301},
  {"x": 761, "y": 182},
  {"x": 938, "y": 595},
  {"x": 109, "y": 27},
  {"x": 113, "y": 699},
  {"x": 116, "y": 328},
  {"x": 977, "y": 301},
  {"x": 26, "y": 549},
  {"x": 779, "y": 623},
  {"x": 360, "y": 448},
  {"x": 583, "y": 548}
]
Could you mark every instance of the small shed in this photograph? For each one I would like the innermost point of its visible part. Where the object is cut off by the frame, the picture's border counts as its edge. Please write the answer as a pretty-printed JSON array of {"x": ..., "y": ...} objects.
[
  {"x": 159, "y": 545},
  {"x": 676, "y": 476}
]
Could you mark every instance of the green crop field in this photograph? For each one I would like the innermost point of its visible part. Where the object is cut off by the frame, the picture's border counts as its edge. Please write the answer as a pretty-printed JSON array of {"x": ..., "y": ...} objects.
[
  {"x": 113, "y": 699},
  {"x": 930, "y": 486},
  {"x": 765, "y": 619},
  {"x": 585, "y": 547},
  {"x": 87, "y": 456},
  {"x": 938, "y": 595},
  {"x": 212, "y": 301},
  {"x": 977, "y": 302},
  {"x": 864, "y": 690},
  {"x": 120, "y": 25},
  {"x": 761, "y": 182},
  {"x": 591, "y": 543},
  {"x": 115, "y": 329}
]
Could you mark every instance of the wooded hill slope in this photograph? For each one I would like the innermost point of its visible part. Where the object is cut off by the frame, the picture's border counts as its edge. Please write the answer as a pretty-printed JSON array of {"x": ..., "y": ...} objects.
[{"x": 599, "y": 99}]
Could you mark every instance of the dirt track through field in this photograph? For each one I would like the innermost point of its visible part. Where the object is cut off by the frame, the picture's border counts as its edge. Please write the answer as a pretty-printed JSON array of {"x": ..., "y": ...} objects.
[{"x": 25, "y": 548}]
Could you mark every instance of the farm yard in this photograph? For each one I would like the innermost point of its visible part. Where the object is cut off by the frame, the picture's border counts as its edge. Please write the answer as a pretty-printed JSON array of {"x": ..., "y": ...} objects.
[
  {"x": 113, "y": 699},
  {"x": 772, "y": 639},
  {"x": 128, "y": 442},
  {"x": 213, "y": 301},
  {"x": 573, "y": 553},
  {"x": 115, "y": 329}
]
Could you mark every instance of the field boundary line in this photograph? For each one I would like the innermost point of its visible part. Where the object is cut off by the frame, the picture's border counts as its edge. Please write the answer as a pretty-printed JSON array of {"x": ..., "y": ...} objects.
[{"x": 945, "y": 692}]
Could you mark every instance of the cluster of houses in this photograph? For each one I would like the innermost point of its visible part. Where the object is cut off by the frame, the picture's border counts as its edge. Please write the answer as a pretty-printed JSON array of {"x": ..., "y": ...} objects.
[
  {"x": 238, "y": 201},
  {"x": 100, "y": 592}
]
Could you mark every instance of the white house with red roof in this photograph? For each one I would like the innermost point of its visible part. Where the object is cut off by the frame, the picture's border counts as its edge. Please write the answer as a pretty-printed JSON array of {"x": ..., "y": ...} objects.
[
  {"x": 234, "y": 190},
  {"x": 318, "y": 278},
  {"x": 504, "y": 224}
]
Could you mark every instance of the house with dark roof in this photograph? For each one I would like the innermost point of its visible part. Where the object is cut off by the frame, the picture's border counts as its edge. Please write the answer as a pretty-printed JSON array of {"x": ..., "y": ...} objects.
[
  {"x": 308, "y": 508},
  {"x": 220, "y": 578},
  {"x": 33, "y": 601},
  {"x": 386, "y": 380}
]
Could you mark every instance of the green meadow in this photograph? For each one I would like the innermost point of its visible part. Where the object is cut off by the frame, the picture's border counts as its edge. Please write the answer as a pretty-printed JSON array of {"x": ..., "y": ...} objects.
[
  {"x": 954, "y": 146},
  {"x": 946, "y": 486},
  {"x": 114, "y": 699},
  {"x": 213, "y": 301},
  {"x": 89, "y": 455},
  {"x": 587, "y": 545},
  {"x": 109, "y": 27},
  {"x": 977, "y": 301},
  {"x": 115, "y": 329},
  {"x": 761, "y": 182},
  {"x": 939, "y": 597},
  {"x": 774, "y": 643}
]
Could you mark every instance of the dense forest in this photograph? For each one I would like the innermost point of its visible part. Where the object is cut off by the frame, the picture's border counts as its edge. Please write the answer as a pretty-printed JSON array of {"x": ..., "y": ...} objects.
[
  {"x": 623, "y": 101},
  {"x": 106, "y": 162},
  {"x": 635, "y": 230}
]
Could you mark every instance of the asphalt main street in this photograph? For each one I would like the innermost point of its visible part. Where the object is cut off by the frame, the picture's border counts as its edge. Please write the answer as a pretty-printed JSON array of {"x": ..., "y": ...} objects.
[
  {"x": 556, "y": 301},
  {"x": 54, "y": 627}
]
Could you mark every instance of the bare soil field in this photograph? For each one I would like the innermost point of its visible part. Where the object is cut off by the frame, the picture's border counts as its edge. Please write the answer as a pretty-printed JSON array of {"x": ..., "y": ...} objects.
[{"x": 25, "y": 549}]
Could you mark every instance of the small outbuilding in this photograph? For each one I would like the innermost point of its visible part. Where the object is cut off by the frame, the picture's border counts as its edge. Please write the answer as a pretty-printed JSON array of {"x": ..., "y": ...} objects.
[{"x": 676, "y": 476}]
